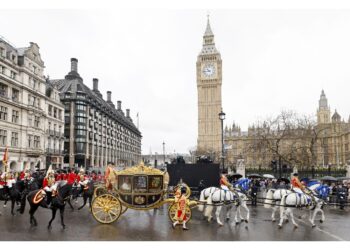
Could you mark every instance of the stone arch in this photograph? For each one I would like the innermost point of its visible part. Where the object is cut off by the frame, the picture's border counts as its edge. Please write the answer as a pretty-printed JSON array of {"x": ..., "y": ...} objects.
[
  {"x": 13, "y": 165},
  {"x": 32, "y": 165}
]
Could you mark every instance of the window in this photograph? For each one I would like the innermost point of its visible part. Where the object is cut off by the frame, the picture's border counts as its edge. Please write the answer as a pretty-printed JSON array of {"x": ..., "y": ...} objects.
[
  {"x": 49, "y": 125},
  {"x": 54, "y": 127},
  {"x": 14, "y": 139},
  {"x": 60, "y": 114},
  {"x": 36, "y": 121},
  {"x": 3, "y": 90},
  {"x": 2, "y": 52},
  {"x": 30, "y": 141},
  {"x": 13, "y": 75},
  {"x": 31, "y": 100},
  {"x": 81, "y": 120},
  {"x": 50, "y": 110},
  {"x": 36, "y": 141},
  {"x": 3, "y": 137},
  {"x": 15, "y": 95},
  {"x": 60, "y": 128},
  {"x": 3, "y": 70},
  {"x": 30, "y": 120},
  {"x": 55, "y": 112},
  {"x": 3, "y": 113},
  {"x": 15, "y": 116},
  {"x": 80, "y": 107},
  {"x": 67, "y": 106}
]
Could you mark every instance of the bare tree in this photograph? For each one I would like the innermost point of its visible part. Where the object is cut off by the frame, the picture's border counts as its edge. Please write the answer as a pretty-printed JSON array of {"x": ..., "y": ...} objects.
[{"x": 288, "y": 138}]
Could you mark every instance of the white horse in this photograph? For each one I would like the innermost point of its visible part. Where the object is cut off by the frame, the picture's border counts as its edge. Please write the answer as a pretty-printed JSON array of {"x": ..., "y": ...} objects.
[
  {"x": 222, "y": 197},
  {"x": 292, "y": 201},
  {"x": 273, "y": 200},
  {"x": 204, "y": 196}
]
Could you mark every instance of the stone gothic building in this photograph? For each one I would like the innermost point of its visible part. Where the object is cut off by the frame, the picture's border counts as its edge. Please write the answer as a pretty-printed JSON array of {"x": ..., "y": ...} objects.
[{"x": 331, "y": 147}]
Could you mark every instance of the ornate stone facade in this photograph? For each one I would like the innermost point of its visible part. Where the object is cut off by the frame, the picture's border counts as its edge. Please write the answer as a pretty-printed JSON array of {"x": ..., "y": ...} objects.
[
  {"x": 23, "y": 105},
  {"x": 331, "y": 147},
  {"x": 209, "y": 81}
]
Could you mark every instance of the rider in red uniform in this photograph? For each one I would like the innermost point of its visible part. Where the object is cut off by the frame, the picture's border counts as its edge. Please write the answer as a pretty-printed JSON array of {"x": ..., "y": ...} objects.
[{"x": 71, "y": 177}]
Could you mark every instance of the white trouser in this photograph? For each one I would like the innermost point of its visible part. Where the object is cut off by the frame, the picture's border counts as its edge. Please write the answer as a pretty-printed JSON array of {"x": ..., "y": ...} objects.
[{"x": 51, "y": 189}]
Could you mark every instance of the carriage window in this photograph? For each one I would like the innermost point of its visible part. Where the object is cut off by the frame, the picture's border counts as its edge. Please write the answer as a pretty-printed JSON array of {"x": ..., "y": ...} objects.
[
  {"x": 140, "y": 183},
  {"x": 155, "y": 183},
  {"x": 124, "y": 183}
]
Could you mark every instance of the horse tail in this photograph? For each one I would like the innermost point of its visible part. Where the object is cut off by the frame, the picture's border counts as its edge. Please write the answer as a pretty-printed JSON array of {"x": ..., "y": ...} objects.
[
  {"x": 209, "y": 209},
  {"x": 201, "y": 199},
  {"x": 268, "y": 199}
]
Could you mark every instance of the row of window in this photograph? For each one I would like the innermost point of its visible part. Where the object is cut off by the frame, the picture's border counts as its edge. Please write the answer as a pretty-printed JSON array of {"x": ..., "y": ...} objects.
[
  {"x": 4, "y": 70},
  {"x": 33, "y": 101},
  {"x": 3, "y": 138},
  {"x": 4, "y": 92},
  {"x": 55, "y": 112}
]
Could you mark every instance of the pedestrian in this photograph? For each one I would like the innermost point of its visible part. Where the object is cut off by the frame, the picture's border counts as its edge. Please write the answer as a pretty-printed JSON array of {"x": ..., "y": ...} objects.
[
  {"x": 342, "y": 194},
  {"x": 254, "y": 192}
]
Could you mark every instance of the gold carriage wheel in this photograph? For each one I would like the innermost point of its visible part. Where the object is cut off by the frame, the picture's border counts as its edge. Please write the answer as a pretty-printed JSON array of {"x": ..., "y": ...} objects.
[
  {"x": 106, "y": 208},
  {"x": 188, "y": 190},
  {"x": 172, "y": 212},
  {"x": 124, "y": 208}
]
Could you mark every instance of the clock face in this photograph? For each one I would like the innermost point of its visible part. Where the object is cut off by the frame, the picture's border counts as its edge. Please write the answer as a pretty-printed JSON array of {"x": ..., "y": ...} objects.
[{"x": 209, "y": 70}]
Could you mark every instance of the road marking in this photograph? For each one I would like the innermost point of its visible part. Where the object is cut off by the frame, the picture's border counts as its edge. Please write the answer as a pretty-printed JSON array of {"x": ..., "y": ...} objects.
[{"x": 328, "y": 233}]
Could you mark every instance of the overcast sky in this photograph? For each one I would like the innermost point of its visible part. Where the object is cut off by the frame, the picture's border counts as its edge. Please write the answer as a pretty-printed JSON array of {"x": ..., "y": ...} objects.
[{"x": 272, "y": 60}]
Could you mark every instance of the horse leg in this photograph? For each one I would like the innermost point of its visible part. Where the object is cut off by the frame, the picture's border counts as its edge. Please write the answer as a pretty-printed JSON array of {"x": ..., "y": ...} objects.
[
  {"x": 290, "y": 211},
  {"x": 274, "y": 209},
  {"x": 244, "y": 205},
  {"x": 228, "y": 210},
  {"x": 54, "y": 210},
  {"x": 312, "y": 219},
  {"x": 62, "y": 217},
  {"x": 236, "y": 215},
  {"x": 84, "y": 203},
  {"x": 12, "y": 206},
  {"x": 32, "y": 212},
  {"x": 322, "y": 216},
  {"x": 90, "y": 201},
  {"x": 281, "y": 217},
  {"x": 217, "y": 213},
  {"x": 70, "y": 204}
]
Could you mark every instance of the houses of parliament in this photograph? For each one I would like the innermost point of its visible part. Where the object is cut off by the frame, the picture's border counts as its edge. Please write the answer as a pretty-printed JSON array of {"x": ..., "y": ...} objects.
[{"x": 329, "y": 135}]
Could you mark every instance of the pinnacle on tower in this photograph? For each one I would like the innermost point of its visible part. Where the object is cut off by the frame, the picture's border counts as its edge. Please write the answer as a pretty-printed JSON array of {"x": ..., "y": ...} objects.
[
  {"x": 208, "y": 31},
  {"x": 323, "y": 102},
  {"x": 208, "y": 41}
]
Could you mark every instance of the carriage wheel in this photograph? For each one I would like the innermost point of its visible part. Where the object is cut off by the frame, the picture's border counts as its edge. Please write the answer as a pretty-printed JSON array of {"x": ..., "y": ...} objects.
[
  {"x": 106, "y": 208},
  {"x": 123, "y": 209},
  {"x": 172, "y": 213}
]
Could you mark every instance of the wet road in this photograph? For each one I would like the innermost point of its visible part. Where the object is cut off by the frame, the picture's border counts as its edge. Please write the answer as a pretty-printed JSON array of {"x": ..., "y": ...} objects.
[{"x": 155, "y": 225}]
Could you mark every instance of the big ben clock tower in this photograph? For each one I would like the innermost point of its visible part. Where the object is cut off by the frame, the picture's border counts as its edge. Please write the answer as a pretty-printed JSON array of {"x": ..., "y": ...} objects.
[{"x": 209, "y": 81}]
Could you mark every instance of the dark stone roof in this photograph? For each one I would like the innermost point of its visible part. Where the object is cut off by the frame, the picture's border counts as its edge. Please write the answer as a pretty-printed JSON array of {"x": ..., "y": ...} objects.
[{"x": 74, "y": 83}]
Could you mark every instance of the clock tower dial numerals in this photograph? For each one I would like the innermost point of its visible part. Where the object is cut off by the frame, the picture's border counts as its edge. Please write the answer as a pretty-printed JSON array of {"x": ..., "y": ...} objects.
[{"x": 209, "y": 70}]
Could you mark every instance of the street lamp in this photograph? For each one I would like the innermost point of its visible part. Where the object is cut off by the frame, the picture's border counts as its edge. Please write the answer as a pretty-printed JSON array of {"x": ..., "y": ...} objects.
[{"x": 222, "y": 118}]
